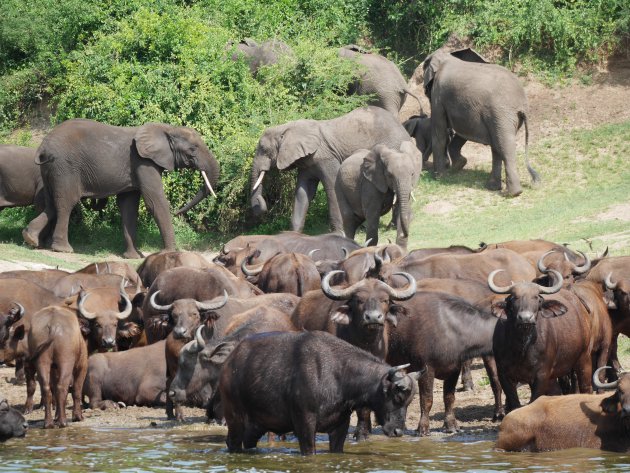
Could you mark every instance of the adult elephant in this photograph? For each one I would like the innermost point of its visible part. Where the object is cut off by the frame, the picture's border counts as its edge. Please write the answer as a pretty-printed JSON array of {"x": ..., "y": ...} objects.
[
  {"x": 481, "y": 102},
  {"x": 378, "y": 76},
  {"x": 20, "y": 180},
  {"x": 260, "y": 54},
  {"x": 367, "y": 183},
  {"x": 317, "y": 148},
  {"x": 84, "y": 158}
]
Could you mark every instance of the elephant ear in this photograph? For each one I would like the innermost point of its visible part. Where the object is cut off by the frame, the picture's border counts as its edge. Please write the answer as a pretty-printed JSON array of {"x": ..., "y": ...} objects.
[
  {"x": 296, "y": 142},
  {"x": 249, "y": 42},
  {"x": 411, "y": 124},
  {"x": 469, "y": 55},
  {"x": 153, "y": 142},
  {"x": 373, "y": 169},
  {"x": 430, "y": 69}
]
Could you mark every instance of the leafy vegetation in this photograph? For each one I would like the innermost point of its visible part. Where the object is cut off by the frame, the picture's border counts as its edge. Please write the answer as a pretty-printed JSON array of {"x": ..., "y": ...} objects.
[{"x": 127, "y": 62}]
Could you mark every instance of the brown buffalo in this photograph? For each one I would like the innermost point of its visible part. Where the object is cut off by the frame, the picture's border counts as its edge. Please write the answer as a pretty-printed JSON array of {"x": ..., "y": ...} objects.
[
  {"x": 46, "y": 278},
  {"x": 156, "y": 263},
  {"x": 12, "y": 422},
  {"x": 120, "y": 268},
  {"x": 578, "y": 420},
  {"x": 132, "y": 377},
  {"x": 53, "y": 347},
  {"x": 293, "y": 273}
]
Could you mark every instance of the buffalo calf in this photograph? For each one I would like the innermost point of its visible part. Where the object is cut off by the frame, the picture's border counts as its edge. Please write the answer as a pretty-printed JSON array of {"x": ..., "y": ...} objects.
[{"x": 12, "y": 423}]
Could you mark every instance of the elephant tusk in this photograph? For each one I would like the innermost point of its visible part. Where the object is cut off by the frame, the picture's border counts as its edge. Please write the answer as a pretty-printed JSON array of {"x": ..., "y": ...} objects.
[
  {"x": 413, "y": 197},
  {"x": 258, "y": 182},
  {"x": 205, "y": 178},
  {"x": 395, "y": 199}
]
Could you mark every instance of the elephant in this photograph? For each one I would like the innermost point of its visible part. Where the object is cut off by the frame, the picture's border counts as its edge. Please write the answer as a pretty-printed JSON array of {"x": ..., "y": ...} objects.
[
  {"x": 379, "y": 77},
  {"x": 85, "y": 158},
  {"x": 419, "y": 128},
  {"x": 317, "y": 148},
  {"x": 20, "y": 180},
  {"x": 260, "y": 54},
  {"x": 481, "y": 102},
  {"x": 367, "y": 183}
]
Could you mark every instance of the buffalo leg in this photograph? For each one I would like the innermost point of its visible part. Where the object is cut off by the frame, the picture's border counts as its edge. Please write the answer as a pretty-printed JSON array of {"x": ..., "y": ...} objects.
[
  {"x": 613, "y": 360},
  {"x": 61, "y": 395},
  {"x": 511, "y": 395},
  {"x": 337, "y": 437},
  {"x": 425, "y": 384},
  {"x": 304, "y": 428},
  {"x": 491, "y": 368},
  {"x": 79, "y": 374},
  {"x": 31, "y": 385},
  {"x": 450, "y": 383},
  {"x": 364, "y": 424},
  {"x": 43, "y": 373},
  {"x": 19, "y": 371},
  {"x": 467, "y": 381},
  {"x": 236, "y": 431},
  {"x": 252, "y": 435}
]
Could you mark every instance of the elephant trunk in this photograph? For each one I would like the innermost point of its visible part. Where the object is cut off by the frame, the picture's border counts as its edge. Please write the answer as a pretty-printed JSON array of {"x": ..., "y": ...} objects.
[
  {"x": 210, "y": 175},
  {"x": 259, "y": 167},
  {"x": 404, "y": 212}
]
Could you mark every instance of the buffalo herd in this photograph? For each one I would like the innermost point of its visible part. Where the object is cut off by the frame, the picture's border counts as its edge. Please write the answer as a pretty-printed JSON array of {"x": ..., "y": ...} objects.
[{"x": 293, "y": 333}]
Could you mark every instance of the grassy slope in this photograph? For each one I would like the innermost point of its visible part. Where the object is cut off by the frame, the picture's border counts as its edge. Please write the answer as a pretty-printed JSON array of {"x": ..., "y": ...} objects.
[{"x": 584, "y": 173}]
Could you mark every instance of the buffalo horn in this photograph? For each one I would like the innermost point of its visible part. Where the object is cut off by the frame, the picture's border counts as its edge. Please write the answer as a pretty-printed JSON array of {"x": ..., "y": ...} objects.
[
  {"x": 402, "y": 294},
  {"x": 600, "y": 385},
  {"x": 609, "y": 284},
  {"x": 159, "y": 308},
  {"x": 21, "y": 307},
  {"x": 251, "y": 271},
  {"x": 541, "y": 265},
  {"x": 556, "y": 287},
  {"x": 198, "y": 343},
  {"x": 580, "y": 269},
  {"x": 96, "y": 268},
  {"x": 339, "y": 294},
  {"x": 205, "y": 178},
  {"x": 209, "y": 305},
  {"x": 82, "y": 310},
  {"x": 312, "y": 252},
  {"x": 258, "y": 181},
  {"x": 395, "y": 369},
  {"x": 498, "y": 289},
  {"x": 128, "y": 306}
]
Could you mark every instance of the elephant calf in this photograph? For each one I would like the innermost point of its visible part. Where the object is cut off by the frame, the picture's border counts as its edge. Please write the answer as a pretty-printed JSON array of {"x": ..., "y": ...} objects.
[{"x": 369, "y": 180}]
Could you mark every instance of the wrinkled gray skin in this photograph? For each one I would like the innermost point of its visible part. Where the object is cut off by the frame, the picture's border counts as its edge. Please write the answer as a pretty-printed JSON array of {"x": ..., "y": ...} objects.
[
  {"x": 481, "y": 102},
  {"x": 260, "y": 54},
  {"x": 367, "y": 182},
  {"x": 419, "y": 128},
  {"x": 378, "y": 76},
  {"x": 20, "y": 181},
  {"x": 317, "y": 148},
  {"x": 84, "y": 158}
]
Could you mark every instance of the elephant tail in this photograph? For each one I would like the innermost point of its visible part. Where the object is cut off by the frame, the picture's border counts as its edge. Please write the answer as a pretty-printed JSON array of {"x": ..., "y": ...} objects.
[
  {"x": 532, "y": 172},
  {"x": 409, "y": 92}
]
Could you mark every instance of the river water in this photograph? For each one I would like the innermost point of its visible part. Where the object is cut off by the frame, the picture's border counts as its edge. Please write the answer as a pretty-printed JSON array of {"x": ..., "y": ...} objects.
[{"x": 164, "y": 450}]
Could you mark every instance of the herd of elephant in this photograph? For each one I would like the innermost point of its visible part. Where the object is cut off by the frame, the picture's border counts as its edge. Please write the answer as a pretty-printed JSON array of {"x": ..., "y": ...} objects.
[{"x": 367, "y": 161}]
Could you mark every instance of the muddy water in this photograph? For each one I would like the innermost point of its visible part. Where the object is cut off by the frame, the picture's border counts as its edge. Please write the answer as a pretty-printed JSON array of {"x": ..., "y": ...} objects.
[{"x": 163, "y": 450}]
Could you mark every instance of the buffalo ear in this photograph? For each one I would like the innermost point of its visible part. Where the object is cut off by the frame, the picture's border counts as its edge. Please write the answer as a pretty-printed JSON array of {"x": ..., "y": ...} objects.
[
  {"x": 129, "y": 330},
  {"x": 342, "y": 315},
  {"x": 221, "y": 352},
  {"x": 499, "y": 309},
  {"x": 153, "y": 142},
  {"x": 297, "y": 141},
  {"x": 373, "y": 169},
  {"x": 396, "y": 310},
  {"x": 610, "y": 404},
  {"x": 551, "y": 308},
  {"x": 469, "y": 55},
  {"x": 19, "y": 332},
  {"x": 84, "y": 325}
]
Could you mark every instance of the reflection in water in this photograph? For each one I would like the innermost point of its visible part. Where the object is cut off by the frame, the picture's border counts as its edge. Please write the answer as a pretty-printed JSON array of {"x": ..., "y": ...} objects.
[{"x": 162, "y": 450}]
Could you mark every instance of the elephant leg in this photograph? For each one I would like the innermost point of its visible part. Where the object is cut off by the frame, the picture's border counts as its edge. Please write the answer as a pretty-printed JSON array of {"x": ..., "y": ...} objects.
[
  {"x": 36, "y": 232},
  {"x": 304, "y": 193},
  {"x": 454, "y": 151},
  {"x": 334, "y": 214},
  {"x": 506, "y": 149},
  {"x": 150, "y": 184},
  {"x": 494, "y": 183},
  {"x": 439, "y": 139},
  {"x": 63, "y": 205},
  {"x": 372, "y": 208},
  {"x": 128, "y": 205}
]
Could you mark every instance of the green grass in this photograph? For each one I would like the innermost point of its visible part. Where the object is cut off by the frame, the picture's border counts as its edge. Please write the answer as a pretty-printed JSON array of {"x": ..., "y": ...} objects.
[{"x": 584, "y": 174}]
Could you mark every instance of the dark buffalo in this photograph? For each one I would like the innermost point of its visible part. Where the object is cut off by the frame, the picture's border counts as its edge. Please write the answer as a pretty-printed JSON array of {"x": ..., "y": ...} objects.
[
  {"x": 574, "y": 421},
  {"x": 155, "y": 264},
  {"x": 312, "y": 383},
  {"x": 132, "y": 377},
  {"x": 201, "y": 360},
  {"x": 544, "y": 334},
  {"x": 12, "y": 422}
]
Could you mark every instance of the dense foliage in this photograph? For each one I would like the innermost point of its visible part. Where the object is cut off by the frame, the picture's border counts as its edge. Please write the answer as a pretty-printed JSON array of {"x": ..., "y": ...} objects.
[{"x": 126, "y": 62}]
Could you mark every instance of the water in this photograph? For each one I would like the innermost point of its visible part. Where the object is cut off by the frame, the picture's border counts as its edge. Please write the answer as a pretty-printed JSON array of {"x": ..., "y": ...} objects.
[{"x": 165, "y": 450}]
